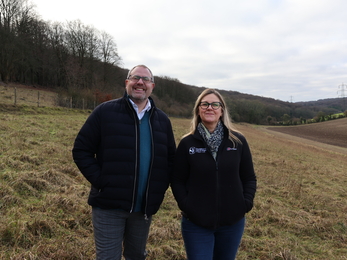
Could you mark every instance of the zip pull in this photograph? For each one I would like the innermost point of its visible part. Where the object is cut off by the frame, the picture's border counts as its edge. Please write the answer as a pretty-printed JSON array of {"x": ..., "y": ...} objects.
[{"x": 146, "y": 218}]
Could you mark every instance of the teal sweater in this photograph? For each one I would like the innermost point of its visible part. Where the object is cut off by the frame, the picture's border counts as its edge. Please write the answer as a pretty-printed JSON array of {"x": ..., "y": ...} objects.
[{"x": 145, "y": 159}]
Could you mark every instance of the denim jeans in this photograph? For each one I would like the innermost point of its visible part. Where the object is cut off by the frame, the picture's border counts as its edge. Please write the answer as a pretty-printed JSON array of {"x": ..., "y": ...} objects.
[
  {"x": 211, "y": 244},
  {"x": 117, "y": 229}
]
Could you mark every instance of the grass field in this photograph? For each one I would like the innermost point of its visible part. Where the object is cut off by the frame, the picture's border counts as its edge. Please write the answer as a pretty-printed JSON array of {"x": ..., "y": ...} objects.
[{"x": 300, "y": 206}]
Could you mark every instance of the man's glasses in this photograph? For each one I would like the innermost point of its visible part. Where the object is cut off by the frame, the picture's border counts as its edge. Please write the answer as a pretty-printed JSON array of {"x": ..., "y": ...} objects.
[
  {"x": 214, "y": 105},
  {"x": 136, "y": 78}
]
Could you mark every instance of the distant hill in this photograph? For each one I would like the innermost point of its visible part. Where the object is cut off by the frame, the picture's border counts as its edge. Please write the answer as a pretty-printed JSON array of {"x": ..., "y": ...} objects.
[
  {"x": 176, "y": 99},
  {"x": 329, "y": 105}
]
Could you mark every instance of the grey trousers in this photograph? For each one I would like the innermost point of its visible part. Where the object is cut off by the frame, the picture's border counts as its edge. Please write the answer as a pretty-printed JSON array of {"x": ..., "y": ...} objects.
[{"x": 117, "y": 231}]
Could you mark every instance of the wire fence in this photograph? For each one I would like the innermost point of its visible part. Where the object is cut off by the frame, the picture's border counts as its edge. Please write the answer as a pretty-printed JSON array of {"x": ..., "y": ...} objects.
[
  {"x": 41, "y": 98},
  {"x": 27, "y": 96}
]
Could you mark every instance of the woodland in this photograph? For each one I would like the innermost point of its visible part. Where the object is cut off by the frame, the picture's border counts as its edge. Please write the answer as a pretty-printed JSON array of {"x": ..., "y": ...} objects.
[{"x": 82, "y": 63}]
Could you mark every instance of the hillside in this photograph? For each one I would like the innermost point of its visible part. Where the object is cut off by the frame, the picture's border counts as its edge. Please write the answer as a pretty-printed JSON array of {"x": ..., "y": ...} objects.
[
  {"x": 175, "y": 99},
  {"x": 337, "y": 103}
]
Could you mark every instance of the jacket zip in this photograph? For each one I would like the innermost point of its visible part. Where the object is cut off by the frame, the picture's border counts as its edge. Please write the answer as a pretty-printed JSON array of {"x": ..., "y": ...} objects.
[
  {"x": 217, "y": 189},
  {"x": 150, "y": 168},
  {"x": 136, "y": 159},
  {"x": 217, "y": 182},
  {"x": 217, "y": 179}
]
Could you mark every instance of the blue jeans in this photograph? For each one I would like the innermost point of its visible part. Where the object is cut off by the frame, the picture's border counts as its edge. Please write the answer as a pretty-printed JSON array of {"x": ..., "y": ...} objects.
[
  {"x": 211, "y": 244},
  {"x": 115, "y": 229}
]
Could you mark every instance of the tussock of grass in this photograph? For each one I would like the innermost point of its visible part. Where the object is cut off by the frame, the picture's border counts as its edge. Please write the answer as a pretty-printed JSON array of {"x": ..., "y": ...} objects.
[{"x": 299, "y": 213}]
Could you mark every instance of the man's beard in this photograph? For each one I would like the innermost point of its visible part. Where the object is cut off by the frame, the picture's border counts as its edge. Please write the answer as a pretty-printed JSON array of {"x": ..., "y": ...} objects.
[{"x": 137, "y": 98}]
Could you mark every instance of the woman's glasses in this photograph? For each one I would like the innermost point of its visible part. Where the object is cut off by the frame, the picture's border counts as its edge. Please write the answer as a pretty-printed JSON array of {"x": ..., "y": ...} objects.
[{"x": 214, "y": 105}]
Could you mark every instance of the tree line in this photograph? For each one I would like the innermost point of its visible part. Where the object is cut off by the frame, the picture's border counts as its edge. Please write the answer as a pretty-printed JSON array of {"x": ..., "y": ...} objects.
[
  {"x": 76, "y": 60},
  {"x": 33, "y": 51},
  {"x": 82, "y": 64}
]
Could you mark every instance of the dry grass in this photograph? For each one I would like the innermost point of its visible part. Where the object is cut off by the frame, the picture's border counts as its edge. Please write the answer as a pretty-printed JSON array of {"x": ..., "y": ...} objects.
[
  {"x": 301, "y": 204},
  {"x": 300, "y": 207}
]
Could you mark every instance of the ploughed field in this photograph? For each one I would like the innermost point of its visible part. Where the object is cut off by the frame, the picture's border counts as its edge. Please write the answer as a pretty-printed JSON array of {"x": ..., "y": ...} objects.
[{"x": 333, "y": 132}]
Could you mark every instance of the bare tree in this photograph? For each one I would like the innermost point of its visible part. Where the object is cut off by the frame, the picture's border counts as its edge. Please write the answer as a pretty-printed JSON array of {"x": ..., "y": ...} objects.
[
  {"x": 109, "y": 57},
  {"x": 12, "y": 14},
  {"x": 108, "y": 49},
  {"x": 57, "y": 44},
  {"x": 82, "y": 43}
]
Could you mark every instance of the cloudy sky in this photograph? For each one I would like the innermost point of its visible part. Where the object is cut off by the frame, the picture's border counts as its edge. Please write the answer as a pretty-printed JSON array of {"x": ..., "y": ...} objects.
[{"x": 291, "y": 50}]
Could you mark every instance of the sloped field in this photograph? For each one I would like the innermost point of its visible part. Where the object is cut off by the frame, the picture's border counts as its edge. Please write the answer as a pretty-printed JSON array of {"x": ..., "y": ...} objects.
[{"x": 333, "y": 132}]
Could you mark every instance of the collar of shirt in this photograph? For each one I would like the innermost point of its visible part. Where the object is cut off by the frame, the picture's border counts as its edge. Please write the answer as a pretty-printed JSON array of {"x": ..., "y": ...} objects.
[{"x": 144, "y": 110}]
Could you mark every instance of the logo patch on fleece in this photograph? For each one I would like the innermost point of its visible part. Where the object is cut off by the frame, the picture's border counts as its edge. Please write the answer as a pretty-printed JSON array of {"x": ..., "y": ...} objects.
[{"x": 194, "y": 150}]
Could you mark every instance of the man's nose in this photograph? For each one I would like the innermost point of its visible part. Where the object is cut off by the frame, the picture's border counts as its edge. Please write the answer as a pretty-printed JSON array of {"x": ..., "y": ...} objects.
[{"x": 140, "y": 80}]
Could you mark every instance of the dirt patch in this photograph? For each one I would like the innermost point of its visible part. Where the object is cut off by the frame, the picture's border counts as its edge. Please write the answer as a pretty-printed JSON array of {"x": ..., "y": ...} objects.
[{"x": 330, "y": 135}]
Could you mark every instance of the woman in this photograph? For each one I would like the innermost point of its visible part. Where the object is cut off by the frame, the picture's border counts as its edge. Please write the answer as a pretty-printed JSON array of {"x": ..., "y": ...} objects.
[{"x": 213, "y": 181}]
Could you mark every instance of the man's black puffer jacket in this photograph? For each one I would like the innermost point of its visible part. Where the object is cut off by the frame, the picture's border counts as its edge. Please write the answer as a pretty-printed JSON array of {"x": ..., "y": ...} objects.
[{"x": 106, "y": 152}]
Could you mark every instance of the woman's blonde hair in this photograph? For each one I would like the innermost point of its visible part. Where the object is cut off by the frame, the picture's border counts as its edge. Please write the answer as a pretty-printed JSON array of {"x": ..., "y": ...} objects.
[{"x": 225, "y": 118}]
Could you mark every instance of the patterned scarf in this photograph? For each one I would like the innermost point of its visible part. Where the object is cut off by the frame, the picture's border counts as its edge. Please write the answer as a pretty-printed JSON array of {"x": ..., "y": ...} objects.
[{"x": 214, "y": 139}]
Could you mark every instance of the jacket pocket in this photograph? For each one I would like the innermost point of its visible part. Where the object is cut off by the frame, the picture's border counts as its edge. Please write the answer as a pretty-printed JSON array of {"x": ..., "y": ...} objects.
[
  {"x": 101, "y": 183},
  {"x": 248, "y": 205}
]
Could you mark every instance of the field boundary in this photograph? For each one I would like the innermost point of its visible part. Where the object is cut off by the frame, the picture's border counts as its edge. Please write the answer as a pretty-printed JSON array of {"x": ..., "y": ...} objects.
[{"x": 323, "y": 146}]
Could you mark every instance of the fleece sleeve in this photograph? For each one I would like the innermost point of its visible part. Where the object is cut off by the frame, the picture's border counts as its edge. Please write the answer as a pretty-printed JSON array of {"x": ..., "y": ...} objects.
[{"x": 247, "y": 175}]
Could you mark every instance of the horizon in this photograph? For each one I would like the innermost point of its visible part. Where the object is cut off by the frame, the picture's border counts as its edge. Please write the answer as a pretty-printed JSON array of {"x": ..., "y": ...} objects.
[{"x": 289, "y": 51}]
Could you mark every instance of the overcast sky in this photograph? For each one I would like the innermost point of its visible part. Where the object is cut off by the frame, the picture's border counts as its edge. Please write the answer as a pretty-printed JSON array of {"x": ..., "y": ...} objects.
[{"x": 291, "y": 50}]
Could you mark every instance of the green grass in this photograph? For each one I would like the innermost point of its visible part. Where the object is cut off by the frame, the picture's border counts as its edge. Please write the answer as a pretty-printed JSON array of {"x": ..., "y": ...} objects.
[{"x": 300, "y": 207}]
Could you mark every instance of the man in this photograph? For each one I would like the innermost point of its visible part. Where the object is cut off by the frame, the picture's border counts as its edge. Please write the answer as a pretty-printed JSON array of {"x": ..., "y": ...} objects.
[{"x": 125, "y": 150}]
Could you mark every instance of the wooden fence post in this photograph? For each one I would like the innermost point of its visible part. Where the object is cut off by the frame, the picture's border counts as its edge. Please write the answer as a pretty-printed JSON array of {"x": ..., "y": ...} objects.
[{"x": 15, "y": 96}]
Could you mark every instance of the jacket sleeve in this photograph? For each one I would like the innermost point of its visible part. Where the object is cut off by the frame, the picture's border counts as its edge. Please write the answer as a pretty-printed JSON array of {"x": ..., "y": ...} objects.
[
  {"x": 171, "y": 148},
  {"x": 85, "y": 148},
  {"x": 247, "y": 176},
  {"x": 180, "y": 175}
]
